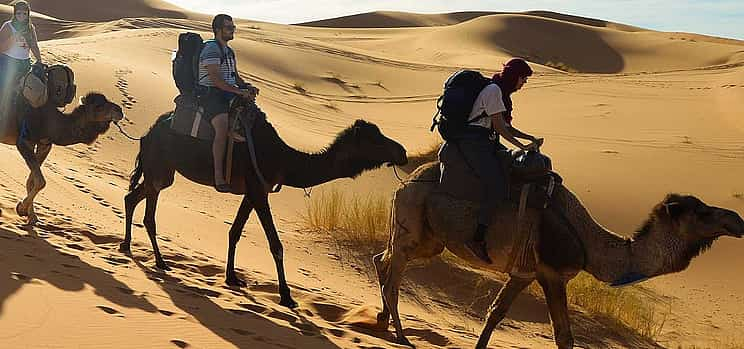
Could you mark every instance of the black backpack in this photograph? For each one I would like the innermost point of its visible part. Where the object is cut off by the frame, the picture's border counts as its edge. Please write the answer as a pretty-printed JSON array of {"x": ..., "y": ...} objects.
[
  {"x": 186, "y": 62},
  {"x": 454, "y": 106}
]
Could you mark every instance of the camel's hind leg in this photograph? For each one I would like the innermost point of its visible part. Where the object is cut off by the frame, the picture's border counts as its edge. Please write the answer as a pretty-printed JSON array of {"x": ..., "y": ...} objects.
[
  {"x": 408, "y": 242},
  {"x": 131, "y": 200}
]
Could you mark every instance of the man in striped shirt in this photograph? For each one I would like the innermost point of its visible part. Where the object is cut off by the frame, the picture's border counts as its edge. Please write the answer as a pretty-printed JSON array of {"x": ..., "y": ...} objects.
[{"x": 220, "y": 81}]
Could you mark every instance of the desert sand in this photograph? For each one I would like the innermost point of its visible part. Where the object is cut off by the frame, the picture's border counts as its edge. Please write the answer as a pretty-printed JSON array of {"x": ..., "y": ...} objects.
[{"x": 628, "y": 114}]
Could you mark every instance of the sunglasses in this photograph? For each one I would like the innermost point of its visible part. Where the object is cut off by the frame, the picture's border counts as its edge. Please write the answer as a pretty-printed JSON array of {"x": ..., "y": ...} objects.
[
  {"x": 229, "y": 27},
  {"x": 22, "y": 13}
]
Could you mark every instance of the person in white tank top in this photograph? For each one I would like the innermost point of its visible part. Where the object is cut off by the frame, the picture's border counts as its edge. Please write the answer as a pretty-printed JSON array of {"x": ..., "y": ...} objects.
[{"x": 17, "y": 41}]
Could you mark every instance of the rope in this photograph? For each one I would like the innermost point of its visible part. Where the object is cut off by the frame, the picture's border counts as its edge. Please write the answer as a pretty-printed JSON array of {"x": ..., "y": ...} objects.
[
  {"x": 125, "y": 133},
  {"x": 404, "y": 182}
]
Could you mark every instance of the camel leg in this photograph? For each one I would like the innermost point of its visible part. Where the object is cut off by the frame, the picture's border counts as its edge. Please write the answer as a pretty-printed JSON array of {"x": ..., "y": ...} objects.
[
  {"x": 500, "y": 306},
  {"x": 277, "y": 251},
  {"x": 235, "y": 231},
  {"x": 151, "y": 206},
  {"x": 381, "y": 267},
  {"x": 390, "y": 293},
  {"x": 131, "y": 200},
  {"x": 34, "y": 156},
  {"x": 555, "y": 294}
]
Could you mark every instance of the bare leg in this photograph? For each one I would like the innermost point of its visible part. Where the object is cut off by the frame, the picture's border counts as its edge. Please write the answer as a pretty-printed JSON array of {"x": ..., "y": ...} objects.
[
  {"x": 500, "y": 306},
  {"x": 151, "y": 206},
  {"x": 235, "y": 231},
  {"x": 219, "y": 144},
  {"x": 131, "y": 200},
  {"x": 555, "y": 294},
  {"x": 264, "y": 214}
]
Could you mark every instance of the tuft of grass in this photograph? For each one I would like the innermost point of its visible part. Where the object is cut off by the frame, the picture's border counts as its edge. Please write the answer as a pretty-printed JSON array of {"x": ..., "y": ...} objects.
[
  {"x": 357, "y": 223},
  {"x": 739, "y": 196},
  {"x": 560, "y": 66},
  {"x": 628, "y": 305},
  {"x": 429, "y": 154}
]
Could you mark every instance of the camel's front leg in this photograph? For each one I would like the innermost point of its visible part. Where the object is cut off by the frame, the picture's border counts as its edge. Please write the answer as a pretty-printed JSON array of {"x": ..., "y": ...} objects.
[
  {"x": 235, "y": 231},
  {"x": 35, "y": 182},
  {"x": 500, "y": 306},
  {"x": 275, "y": 245},
  {"x": 555, "y": 294}
]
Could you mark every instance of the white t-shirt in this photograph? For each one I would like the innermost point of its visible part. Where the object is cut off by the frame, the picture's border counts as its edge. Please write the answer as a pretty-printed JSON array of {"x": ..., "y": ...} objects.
[
  {"x": 19, "y": 47},
  {"x": 489, "y": 101}
]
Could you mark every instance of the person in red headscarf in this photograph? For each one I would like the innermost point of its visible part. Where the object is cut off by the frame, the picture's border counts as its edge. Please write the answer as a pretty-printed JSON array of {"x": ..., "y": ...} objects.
[{"x": 489, "y": 121}]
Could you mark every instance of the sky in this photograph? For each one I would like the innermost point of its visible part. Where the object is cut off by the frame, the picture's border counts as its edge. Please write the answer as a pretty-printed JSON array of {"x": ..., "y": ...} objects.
[{"x": 724, "y": 18}]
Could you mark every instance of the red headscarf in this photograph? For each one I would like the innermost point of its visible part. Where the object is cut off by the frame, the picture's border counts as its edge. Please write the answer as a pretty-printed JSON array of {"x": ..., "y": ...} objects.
[{"x": 507, "y": 80}]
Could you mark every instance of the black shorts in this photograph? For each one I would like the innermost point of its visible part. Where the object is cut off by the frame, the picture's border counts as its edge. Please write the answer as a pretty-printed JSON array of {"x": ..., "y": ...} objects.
[{"x": 215, "y": 102}]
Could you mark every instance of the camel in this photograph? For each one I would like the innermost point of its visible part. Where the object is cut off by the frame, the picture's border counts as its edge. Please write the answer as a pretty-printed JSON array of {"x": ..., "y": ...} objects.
[
  {"x": 425, "y": 221},
  {"x": 358, "y": 148},
  {"x": 47, "y": 126}
]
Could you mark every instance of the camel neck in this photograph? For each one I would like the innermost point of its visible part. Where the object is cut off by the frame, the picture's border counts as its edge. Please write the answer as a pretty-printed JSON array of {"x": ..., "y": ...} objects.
[{"x": 306, "y": 170}]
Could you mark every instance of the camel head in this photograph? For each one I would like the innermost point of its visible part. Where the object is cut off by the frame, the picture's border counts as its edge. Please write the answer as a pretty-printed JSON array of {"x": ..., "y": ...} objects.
[
  {"x": 95, "y": 116},
  {"x": 363, "y": 146},
  {"x": 680, "y": 228},
  {"x": 97, "y": 108},
  {"x": 692, "y": 219}
]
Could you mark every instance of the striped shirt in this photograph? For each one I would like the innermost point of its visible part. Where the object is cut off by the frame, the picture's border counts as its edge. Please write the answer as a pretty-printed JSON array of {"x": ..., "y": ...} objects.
[{"x": 213, "y": 53}]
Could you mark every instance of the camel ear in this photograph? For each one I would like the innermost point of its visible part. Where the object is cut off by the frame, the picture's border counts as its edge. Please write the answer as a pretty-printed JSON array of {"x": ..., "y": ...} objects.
[
  {"x": 673, "y": 209},
  {"x": 81, "y": 100}
]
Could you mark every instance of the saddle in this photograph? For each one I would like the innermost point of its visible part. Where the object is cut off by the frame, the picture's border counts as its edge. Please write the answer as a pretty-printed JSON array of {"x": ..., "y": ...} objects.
[
  {"x": 188, "y": 120},
  {"x": 531, "y": 181}
]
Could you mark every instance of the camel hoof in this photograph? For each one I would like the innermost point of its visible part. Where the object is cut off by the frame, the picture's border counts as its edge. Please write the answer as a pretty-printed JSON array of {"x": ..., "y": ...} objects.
[
  {"x": 288, "y": 302},
  {"x": 405, "y": 341},
  {"x": 162, "y": 266},
  {"x": 383, "y": 321},
  {"x": 235, "y": 282},
  {"x": 23, "y": 212},
  {"x": 124, "y": 247}
]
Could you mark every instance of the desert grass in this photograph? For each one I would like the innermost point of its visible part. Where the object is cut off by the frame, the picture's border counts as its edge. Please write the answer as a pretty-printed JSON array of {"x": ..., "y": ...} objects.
[{"x": 632, "y": 306}]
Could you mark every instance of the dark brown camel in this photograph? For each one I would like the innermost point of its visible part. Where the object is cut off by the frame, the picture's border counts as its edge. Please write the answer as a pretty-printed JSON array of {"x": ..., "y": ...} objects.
[
  {"x": 47, "y": 126},
  {"x": 359, "y": 148}
]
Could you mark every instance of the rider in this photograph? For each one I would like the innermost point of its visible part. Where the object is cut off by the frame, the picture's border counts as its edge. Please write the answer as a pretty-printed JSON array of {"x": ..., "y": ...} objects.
[
  {"x": 219, "y": 83},
  {"x": 490, "y": 120},
  {"x": 17, "y": 40}
]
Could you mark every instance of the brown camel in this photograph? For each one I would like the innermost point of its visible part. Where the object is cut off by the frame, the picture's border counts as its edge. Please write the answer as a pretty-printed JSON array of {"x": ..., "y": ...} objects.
[
  {"x": 568, "y": 240},
  {"x": 47, "y": 126},
  {"x": 359, "y": 148}
]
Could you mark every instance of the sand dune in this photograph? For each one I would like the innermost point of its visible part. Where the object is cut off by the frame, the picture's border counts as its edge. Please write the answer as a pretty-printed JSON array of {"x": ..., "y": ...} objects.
[
  {"x": 669, "y": 120},
  {"x": 97, "y": 11}
]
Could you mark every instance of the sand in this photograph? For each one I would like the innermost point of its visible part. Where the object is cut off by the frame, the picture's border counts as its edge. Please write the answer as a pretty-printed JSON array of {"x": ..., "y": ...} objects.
[{"x": 628, "y": 115}]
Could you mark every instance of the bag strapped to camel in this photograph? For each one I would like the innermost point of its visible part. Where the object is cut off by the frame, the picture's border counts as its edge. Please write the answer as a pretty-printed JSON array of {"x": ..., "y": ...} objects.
[{"x": 61, "y": 83}]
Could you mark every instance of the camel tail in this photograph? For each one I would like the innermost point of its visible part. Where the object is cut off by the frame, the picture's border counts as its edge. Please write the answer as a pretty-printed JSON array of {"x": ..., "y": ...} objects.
[
  {"x": 144, "y": 143},
  {"x": 137, "y": 172}
]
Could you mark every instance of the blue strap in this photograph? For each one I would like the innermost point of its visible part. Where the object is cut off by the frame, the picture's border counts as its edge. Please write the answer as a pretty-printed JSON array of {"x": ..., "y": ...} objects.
[{"x": 24, "y": 129}]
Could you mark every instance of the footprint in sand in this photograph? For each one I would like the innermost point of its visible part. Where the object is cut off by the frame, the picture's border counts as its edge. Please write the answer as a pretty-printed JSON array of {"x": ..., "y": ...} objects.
[
  {"x": 128, "y": 101},
  {"x": 243, "y": 332}
]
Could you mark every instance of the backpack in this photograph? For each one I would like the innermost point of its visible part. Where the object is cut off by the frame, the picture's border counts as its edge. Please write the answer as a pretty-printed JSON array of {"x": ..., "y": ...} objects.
[
  {"x": 34, "y": 87},
  {"x": 61, "y": 85},
  {"x": 186, "y": 62},
  {"x": 454, "y": 106}
]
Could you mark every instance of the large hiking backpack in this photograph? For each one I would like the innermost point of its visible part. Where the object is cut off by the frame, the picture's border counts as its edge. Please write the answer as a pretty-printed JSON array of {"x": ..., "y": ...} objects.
[
  {"x": 186, "y": 62},
  {"x": 454, "y": 106},
  {"x": 61, "y": 84}
]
